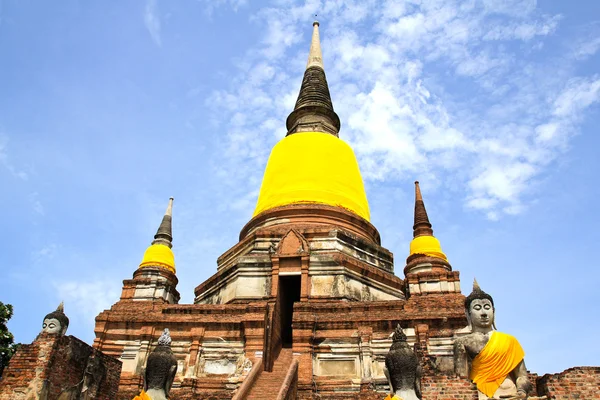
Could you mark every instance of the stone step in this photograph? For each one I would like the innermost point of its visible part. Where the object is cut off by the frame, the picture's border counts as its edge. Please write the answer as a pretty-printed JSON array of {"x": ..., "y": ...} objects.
[{"x": 268, "y": 383}]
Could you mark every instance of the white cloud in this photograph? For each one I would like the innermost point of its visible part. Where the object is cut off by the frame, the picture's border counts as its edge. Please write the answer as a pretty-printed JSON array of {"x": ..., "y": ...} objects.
[
  {"x": 587, "y": 48},
  {"x": 211, "y": 5},
  {"x": 547, "y": 132},
  {"x": 579, "y": 94},
  {"x": 5, "y": 162},
  {"x": 588, "y": 43},
  {"x": 435, "y": 89},
  {"x": 88, "y": 298},
  {"x": 46, "y": 253},
  {"x": 152, "y": 21},
  {"x": 523, "y": 31},
  {"x": 36, "y": 204}
]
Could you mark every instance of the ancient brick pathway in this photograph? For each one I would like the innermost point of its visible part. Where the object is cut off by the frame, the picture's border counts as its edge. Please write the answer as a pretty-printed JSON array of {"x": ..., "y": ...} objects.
[{"x": 268, "y": 383}]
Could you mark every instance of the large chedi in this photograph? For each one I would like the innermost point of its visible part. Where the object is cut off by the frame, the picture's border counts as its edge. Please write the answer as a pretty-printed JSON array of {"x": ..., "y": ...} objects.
[
  {"x": 306, "y": 301},
  {"x": 313, "y": 197}
]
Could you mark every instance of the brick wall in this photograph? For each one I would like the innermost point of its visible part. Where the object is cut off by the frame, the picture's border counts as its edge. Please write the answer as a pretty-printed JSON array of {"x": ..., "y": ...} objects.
[
  {"x": 574, "y": 383},
  {"x": 26, "y": 372},
  {"x": 442, "y": 387},
  {"x": 54, "y": 365},
  {"x": 183, "y": 394}
]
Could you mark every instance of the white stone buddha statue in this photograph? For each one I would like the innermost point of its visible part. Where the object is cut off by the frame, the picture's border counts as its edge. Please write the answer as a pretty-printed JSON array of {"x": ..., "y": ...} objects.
[{"x": 491, "y": 359}]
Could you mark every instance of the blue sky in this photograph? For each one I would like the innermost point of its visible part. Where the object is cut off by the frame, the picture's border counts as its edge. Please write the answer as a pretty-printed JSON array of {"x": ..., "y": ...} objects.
[{"x": 109, "y": 108}]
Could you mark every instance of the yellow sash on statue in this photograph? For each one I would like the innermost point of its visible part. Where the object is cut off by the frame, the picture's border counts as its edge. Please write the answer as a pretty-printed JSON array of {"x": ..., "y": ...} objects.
[
  {"x": 389, "y": 397},
  {"x": 499, "y": 357},
  {"x": 142, "y": 396}
]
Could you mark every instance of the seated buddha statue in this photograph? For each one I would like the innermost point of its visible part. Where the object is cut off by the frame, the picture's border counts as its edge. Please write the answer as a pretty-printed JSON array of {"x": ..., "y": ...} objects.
[
  {"x": 161, "y": 368},
  {"x": 402, "y": 369},
  {"x": 493, "y": 360}
]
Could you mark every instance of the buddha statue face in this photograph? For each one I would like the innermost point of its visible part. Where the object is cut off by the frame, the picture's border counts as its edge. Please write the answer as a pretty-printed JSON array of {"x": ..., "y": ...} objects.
[
  {"x": 481, "y": 313},
  {"x": 52, "y": 325},
  {"x": 56, "y": 323}
]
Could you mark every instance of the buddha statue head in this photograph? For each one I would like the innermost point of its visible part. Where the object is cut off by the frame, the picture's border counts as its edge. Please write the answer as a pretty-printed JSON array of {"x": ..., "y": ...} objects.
[
  {"x": 402, "y": 367},
  {"x": 56, "y": 323},
  {"x": 160, "y": 369},
  {"x": 479, "y": 307}
]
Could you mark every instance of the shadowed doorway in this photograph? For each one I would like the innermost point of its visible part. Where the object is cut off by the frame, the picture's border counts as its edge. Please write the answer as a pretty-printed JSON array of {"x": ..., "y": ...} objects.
[{"x": 289, "y": 292}]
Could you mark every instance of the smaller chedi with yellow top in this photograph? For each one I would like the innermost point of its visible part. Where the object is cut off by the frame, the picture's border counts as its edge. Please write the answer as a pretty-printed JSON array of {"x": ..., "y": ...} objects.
[
  {"x": 493, "y": 360},
  {"x": 159, "y": 253},
  {"x": 424, "y": 242}
]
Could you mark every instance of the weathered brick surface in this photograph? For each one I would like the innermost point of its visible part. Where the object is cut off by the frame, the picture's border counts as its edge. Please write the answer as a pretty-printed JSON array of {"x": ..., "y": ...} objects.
[
  {"x": 25, "y": 374},
  {"x": 442, "y": 387},
  {"x": 574, "y": 383},
  {"x": 55, "y": 365},
  {"x": 130, "y": 328}
]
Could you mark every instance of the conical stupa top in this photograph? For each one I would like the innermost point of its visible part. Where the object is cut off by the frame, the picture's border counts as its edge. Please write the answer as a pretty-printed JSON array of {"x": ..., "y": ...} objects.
[
  {"x": 314, "y": 110},
  {"x": 164, "y": 233},
  {"x": 424, "y": 242},
  {"x": 159, "y": 253},
  {"x": 422, "y": 226}
]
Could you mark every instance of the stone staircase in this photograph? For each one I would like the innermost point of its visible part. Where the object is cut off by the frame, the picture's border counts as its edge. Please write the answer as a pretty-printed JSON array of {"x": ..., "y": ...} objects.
[{"x": 268, "y": 384}]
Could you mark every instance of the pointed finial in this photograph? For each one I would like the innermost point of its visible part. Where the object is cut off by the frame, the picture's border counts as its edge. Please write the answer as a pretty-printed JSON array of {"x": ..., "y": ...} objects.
[
  {"x": 169, "y": 211},
  {"x": 422, "y": 226},
  {"x": 61, "y": 307},
  {"x": 399, "y": 335},
  {"x": 315, "y": 57},
  {"x": 164, "y": 233},
  {"x": 165, "y": 338},
  {"x": 418, "y": 195},
  {"x": 476, "y": 287}
]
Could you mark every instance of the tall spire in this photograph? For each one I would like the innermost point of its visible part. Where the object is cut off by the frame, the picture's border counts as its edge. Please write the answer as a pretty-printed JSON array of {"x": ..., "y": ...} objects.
[
  {"x": 314, "y": 111},
  {"x": 164, "y": 233},
  {"x": 422, "y": 226}
]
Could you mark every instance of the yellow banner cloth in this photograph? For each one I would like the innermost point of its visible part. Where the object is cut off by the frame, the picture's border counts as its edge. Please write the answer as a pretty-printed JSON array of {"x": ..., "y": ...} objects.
[
  {"x": 499, "y": 357},
  {"x": 389, "y": 397}
]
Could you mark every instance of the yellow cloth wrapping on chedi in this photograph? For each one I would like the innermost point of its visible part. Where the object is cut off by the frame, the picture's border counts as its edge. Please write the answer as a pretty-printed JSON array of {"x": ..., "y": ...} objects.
[
  {"x": 313, "y": 167},
  {"x": 499, "y": 357}
]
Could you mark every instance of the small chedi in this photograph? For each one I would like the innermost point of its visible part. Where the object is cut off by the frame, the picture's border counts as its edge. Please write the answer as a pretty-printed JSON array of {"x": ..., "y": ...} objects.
[
  {"x": 160, "y": 370},
  {"x": 493, "y": 360},
  {"x": 56, "y": 323},
  {"x": 402, "y": 369}
]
